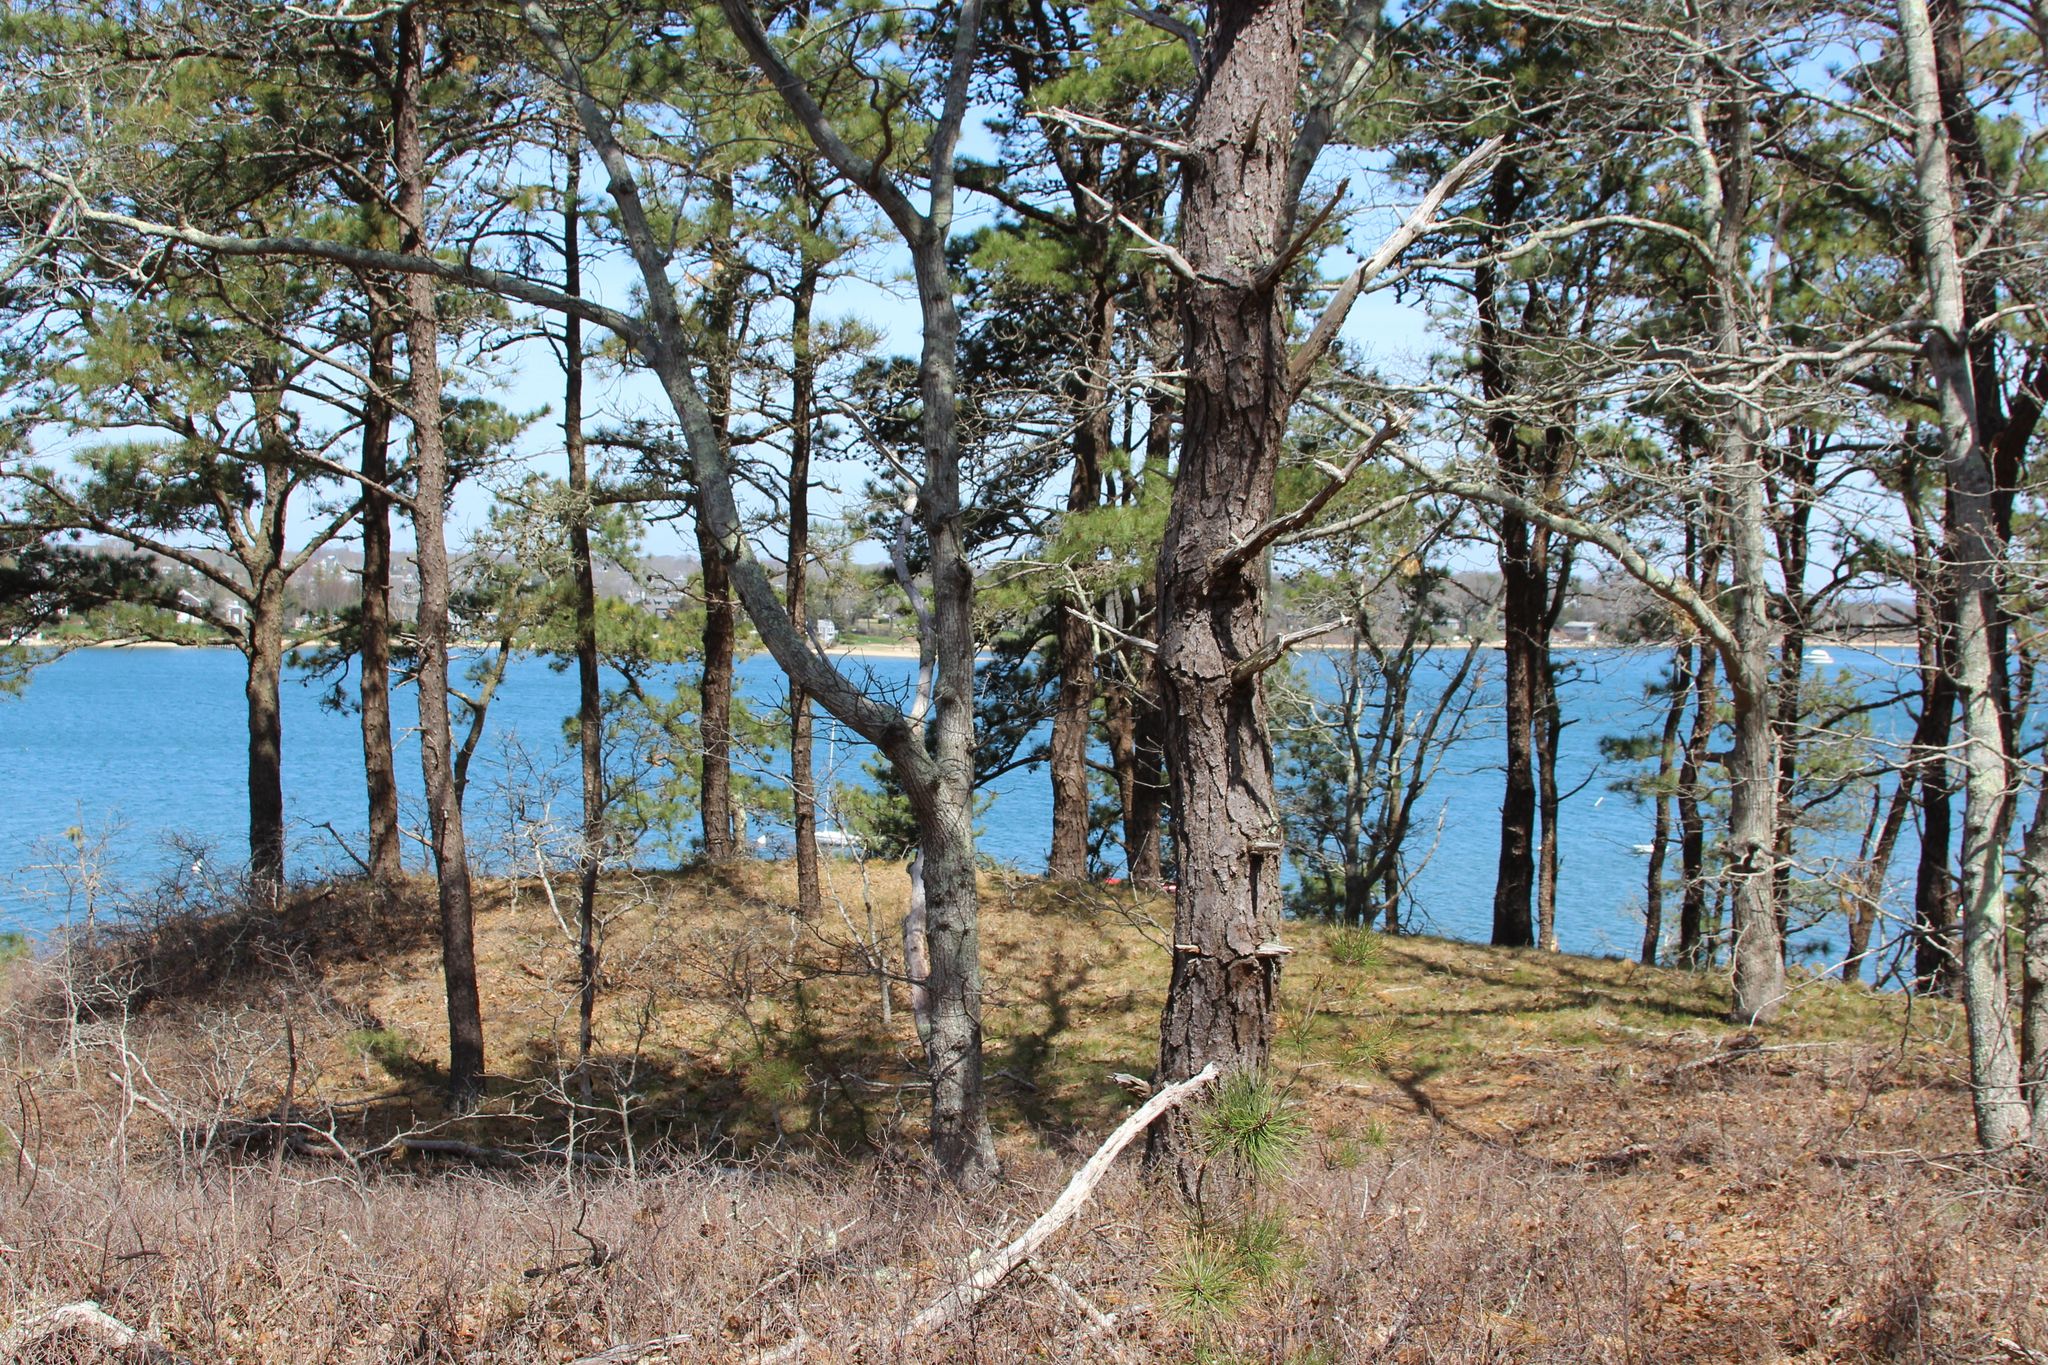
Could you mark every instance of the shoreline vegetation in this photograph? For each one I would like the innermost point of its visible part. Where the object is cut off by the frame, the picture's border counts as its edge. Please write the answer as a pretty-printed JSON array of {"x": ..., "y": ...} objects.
[
  {"x": 229, "y": 1133},
  {"x": 907, "y": 649}
]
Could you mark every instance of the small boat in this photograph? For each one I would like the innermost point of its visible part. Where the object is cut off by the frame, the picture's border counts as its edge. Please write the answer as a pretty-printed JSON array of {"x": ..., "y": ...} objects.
[
  {"x": 1819, "y": 656},
  {"x": 829, "y": 836},
  {"x": 1644, "y": 849}
]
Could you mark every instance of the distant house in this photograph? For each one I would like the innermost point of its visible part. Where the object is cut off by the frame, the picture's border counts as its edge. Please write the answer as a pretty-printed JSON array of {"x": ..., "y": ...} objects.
[
  {"x": 1577, "y": 633},
  {"x": 827, "y": 630}
]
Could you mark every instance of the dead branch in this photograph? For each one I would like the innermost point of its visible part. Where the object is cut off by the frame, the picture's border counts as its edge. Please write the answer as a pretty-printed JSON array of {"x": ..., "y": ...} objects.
[
  {"x": 991, "y": 1271},
  {"x": 90, "y": 1320},
  {"x": 1338, "y": 478},
  {"x": 961, "y": 1299}
]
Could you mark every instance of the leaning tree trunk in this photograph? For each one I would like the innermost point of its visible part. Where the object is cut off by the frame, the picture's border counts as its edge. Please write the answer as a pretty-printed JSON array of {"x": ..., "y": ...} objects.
[
  {"x": 934, "y": 756},
  {"x": 380, "y": 773},
  {"x": 1976, "y": 558},
  {"x": 1226, "y": 967},
  {"x": 941, "y": 788},
  {"x": 430, "y": 456}
]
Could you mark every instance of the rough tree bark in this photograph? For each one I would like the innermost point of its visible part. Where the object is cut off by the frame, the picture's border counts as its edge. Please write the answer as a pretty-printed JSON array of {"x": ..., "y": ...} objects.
[
  {"x": 1219, "y": 1005},
  {"x": 1074, "y": 707},
  {"x": 430, "y": 458},
  {"x": 1242, "y": 175},
  {"x": 714, "y": 688},
  {"x": 803, "y": 383},
  {"x": 263, "y": 647},
  {"x": 589, "y": 690},
  {"x": 380, "y": 771}
]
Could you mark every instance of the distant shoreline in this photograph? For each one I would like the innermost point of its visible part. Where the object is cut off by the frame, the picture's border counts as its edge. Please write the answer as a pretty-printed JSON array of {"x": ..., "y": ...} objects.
[
  {"x": 1634, "y": 646},
  {"x": 904, "y": 650},
  {"x": 909, "y": 650}
]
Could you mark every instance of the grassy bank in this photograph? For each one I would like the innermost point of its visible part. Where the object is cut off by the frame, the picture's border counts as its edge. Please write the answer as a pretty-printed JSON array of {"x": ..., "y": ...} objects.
[{"x": 227, "y": 1130}]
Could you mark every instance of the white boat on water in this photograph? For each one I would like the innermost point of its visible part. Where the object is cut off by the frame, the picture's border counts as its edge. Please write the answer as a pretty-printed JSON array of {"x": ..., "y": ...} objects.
[
  {"x": 1819, "y": 656},
  {"x": 830, "y": 836},
  {"x": 1644, "y": 849}
]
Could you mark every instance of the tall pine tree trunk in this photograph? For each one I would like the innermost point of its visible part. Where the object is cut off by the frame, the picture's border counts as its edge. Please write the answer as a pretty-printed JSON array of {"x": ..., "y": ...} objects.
[
  {"x": 263, "y": 556},
  {"x": 264, "y": 651},
  {"x": 1073, "y": 710},
  {"x": 1522, "y": 598},
  {"x": 589, "y": 690},
  {"x": 380, "y": 770},
  {"x": 721, "y": 624},
  {"x": 430, "y": 454},
  {"x": 1227, "y": 838},
  {"x": 803, "y": 779}
]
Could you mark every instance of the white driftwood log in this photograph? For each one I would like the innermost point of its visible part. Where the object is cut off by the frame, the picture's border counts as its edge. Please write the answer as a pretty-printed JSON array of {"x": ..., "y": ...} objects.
[
  {"x": 88, "y": 1319},
  {"x": 990, "y": 1272}
]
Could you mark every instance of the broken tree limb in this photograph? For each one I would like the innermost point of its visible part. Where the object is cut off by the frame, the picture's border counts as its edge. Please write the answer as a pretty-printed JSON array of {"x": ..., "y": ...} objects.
[
  {"x": 962, "y": 1297},
  {"x": 87, "y": 1319},
  {"x": 987, "y": 1274}
]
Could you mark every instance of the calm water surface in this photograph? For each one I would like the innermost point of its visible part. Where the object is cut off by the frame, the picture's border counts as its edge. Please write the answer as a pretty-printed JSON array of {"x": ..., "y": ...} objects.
[{"x": 146, "y": 748}]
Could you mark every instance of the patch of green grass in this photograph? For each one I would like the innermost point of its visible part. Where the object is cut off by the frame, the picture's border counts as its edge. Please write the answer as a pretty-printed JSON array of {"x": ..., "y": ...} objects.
[
  {"x": 13, "y": 947},
  {"x": 388, "y": 1048}
]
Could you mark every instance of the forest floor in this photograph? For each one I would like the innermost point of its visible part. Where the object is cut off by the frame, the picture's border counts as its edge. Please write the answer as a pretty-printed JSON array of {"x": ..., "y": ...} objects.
[{"x": 1508, "y": 1155}]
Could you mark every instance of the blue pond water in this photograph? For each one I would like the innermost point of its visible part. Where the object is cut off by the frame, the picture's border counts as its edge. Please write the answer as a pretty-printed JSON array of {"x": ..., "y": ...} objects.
[{"x": 146, "y": 747}]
